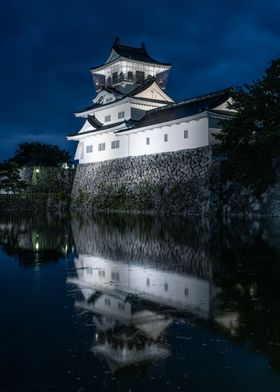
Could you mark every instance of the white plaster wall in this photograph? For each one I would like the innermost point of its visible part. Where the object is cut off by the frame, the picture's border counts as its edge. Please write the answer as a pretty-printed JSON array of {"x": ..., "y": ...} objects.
[
  {"x": 109, "y": 153},
  {"x": 113, "y": 112},
  {"x": 197, "y": 137},
  {"x": 135, "y": 144}
]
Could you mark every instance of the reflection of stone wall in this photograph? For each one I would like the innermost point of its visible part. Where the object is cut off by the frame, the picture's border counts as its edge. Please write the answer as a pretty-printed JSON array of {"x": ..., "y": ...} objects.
[
  {"x": 181, "y": 246},
  {"x": 175, "y": 182}
]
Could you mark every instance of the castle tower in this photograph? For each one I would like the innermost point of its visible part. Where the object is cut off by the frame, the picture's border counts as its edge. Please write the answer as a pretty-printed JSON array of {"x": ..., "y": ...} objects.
[{"x": 128, "y": 65}]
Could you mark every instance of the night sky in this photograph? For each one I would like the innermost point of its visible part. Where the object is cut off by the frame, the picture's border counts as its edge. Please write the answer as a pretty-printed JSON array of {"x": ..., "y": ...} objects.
[{"x": 47, "y": 48}]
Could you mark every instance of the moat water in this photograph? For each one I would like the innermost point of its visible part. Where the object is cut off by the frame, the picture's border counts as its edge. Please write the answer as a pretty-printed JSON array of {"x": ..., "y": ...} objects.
[{"x": 117, "y": 303}]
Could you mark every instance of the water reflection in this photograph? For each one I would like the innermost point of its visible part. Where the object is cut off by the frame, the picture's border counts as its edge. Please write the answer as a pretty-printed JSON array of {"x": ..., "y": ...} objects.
[
  {"x": 138, "y": 276},
  {"x": 35, "y": 239},
  {"x": 149, "y": 294}
]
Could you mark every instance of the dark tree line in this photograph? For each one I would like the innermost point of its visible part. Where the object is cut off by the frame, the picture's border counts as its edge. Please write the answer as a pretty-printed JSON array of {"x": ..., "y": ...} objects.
[
  {"x": 251, "y": 140},
  {"x": 29, "y": 154}
]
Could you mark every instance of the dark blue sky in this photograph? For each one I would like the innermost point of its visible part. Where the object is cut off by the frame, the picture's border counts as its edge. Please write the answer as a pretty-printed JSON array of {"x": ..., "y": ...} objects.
[{"x": 47, "y": 48}]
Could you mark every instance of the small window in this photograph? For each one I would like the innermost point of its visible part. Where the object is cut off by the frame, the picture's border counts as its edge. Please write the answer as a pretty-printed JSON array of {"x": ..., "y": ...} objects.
[
  {"x": 109, "y": 80},
  {"x": 115, "y": 276},
  {"x": 166, "y": 137},
  {"x": 186, "y": 134},
  {"x": 108, "y": 100},
  {"x": 89, "y": 149},
  {"x": 147, "y": 140},
  {"x": 101, "y": 146},
  {"x": 115, "y": 144},
  {"x": 140, "y": 76},
  {"x": 186, "y": 292},
  {"x": 148, "y": 282},
  {"x": 121, "y": 306},
  {"x": 108, "y": 118},
  {"x": 165, "y": 286},
  {"x": 115, "y": 77},
  {"x": 121, "y": 115},
  {"x": 101, "y": 273},
  {"x": 107, "y": 301},
  {"x": 130, "y": 76}
]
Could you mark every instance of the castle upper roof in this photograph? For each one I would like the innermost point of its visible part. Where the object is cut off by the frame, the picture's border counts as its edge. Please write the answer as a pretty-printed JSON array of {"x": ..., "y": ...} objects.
[{"x": 138, "y": 54}]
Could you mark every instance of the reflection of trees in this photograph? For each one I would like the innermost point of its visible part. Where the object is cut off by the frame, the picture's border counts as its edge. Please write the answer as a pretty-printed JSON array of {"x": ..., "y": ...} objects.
[
  {"x": 250, "y": 284},
  {"x": 35, "y": 239}
]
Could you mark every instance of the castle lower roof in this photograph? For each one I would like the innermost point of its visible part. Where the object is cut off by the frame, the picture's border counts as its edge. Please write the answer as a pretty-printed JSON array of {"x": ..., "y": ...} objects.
[{"x": 182, "y": 109}]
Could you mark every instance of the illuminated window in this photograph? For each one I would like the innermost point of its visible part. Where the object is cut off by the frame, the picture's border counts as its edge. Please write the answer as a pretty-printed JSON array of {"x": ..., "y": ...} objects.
[
  {"x": 101, "y": 146},
  {"x": 140, "y": 75},
  {"x": 186, "y": 134},
  {"x": 147, "y": 140},
  {"x": 166, "y": 137},
  {"x": 121, "y": 115},
  {"x": 115, "y": 77},
  {"x": 108, "y": 118},
  {"x": 89, "y": 148},
  {"x": 115, "y": 144}
]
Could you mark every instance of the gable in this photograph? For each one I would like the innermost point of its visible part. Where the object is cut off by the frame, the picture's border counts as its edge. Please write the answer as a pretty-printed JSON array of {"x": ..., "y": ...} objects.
[
  {"x": 112, "y": 56},
  {"x": 153, "y": 92},
  {"x": 103, "y": 97},
  {"x": 224, "y": 106},
  {"x": 86, "y": 127}
]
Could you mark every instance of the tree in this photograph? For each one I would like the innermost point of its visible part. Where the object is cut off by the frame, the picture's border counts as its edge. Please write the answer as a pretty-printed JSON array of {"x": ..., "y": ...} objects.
[
  {"x": 39, "y": 154},
  {"x": 250, "y": 141},
  {"x": 10, "y": 180}
]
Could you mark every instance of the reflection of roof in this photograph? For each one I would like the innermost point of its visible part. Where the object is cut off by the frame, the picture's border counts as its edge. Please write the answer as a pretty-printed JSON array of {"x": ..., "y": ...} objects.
[
  {"x": 121, "y": 357},
  {"x": 182, "y": 109}
]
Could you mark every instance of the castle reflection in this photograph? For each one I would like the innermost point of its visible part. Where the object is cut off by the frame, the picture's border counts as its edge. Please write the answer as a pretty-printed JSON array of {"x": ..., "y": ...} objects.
[{"x": 137, "y": 279}]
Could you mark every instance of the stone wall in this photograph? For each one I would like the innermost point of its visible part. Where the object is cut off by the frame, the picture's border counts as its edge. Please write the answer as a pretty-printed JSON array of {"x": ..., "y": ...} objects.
[
  {"x": 173, "y": 183},
  {"x": 48, "y": 179}
]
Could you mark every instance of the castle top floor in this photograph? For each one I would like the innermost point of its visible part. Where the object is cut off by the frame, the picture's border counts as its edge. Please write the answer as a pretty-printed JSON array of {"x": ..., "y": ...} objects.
[{"x": 130, "y": 65}]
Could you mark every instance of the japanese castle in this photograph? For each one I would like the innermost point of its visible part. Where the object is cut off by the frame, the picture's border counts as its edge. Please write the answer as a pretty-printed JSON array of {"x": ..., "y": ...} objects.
[{"x": 132, "y": 115}]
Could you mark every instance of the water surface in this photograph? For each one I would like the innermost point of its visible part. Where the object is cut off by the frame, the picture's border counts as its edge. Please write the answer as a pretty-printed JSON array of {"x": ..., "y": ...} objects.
[{"x": 115, "y": 303}]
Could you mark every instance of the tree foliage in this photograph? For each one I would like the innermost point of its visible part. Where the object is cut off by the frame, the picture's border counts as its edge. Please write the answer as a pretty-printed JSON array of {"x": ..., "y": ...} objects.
[
  {"x": 39, "y": 154},
  {"x": 10, "y": 180},
  {"x": 251, "y": 140}
]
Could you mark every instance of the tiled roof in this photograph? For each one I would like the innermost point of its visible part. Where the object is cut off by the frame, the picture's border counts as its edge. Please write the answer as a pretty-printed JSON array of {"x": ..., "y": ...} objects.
[
  {"x": 138, "y": 54},
  {"x": 182, "y": 109}
]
